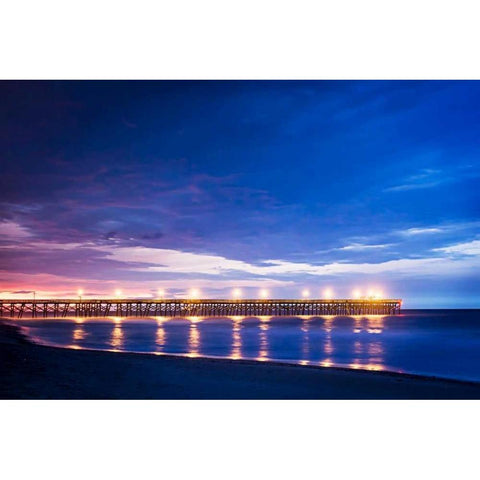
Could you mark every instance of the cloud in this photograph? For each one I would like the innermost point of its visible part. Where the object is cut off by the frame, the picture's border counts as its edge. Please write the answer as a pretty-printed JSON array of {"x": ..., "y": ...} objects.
[
  {"x": 174, "y": 261},
  {"x": 182, "y": 265},
  {"x": 466, "y": 248},
  {"x": 361, "y": 246},
  {"x": 426, "y": 178},
  {"x": 414, "y": 186},
  {"x": 430, "y": 177},
  {"x": 444, "y": 228},
  {"x": 13, "y": 230},
  {"x": 98, "y": 267},
  {"x": 421, "y": 231}
]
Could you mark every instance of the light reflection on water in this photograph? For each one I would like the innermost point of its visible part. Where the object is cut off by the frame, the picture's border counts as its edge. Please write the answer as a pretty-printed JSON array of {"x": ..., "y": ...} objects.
[
  {"x": 193, "y": 337},
  {"x": 328, "y": 348},
  {"x": 236, "y": 351},
  {"x": 403, "y": 343},
  {"x": 263, "y": 336},
  {"x": 305, "y": 342},
  {"x": 116, "y": 341},
  {"x": 160, "y": 336},
  {"x": 79, "y": 334}
]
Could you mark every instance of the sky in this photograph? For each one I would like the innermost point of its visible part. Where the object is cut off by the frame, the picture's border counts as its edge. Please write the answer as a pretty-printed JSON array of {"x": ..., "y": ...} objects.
[{"x": 216, "y": 185}]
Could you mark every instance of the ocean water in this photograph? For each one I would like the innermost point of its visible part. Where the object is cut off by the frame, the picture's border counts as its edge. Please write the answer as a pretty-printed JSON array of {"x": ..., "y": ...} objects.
[{"x": 443, "y": 343}]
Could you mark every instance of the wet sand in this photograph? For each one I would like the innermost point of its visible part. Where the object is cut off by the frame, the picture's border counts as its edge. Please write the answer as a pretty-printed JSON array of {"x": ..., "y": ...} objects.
[{"x": 30, "y": 371}]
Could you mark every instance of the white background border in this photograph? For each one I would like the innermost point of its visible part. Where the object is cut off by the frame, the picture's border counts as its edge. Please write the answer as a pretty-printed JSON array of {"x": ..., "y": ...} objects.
[
  {"x": 239, "y": 440},
  {"x": 239, "y": 40},
  {"x": 246, "y": 39}
]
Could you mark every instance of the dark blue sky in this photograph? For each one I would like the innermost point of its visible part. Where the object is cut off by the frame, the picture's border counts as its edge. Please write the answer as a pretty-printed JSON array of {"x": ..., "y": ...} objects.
[{"x": 283, "y": 185}]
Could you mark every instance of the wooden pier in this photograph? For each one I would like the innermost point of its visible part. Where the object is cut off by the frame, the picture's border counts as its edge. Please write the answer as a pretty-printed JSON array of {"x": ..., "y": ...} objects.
[{"x": 193, "y": 307}]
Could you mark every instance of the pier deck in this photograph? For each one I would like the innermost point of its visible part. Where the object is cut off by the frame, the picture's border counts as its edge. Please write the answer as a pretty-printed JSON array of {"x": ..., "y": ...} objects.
[{"x": 194, "y": 307}]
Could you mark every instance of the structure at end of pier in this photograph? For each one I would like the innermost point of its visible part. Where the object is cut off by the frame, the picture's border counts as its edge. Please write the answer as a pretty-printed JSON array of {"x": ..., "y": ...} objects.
[{"x": 194, "y": 307}]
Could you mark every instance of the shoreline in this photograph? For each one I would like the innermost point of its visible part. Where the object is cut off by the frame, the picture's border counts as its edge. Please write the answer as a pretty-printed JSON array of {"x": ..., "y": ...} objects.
[
  {"x": 35, "y": 371},
  {"x": 247, "y": 361}
]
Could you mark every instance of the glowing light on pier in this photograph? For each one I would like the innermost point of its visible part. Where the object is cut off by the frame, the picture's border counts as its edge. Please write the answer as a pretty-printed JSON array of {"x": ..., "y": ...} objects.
[
  {"x": 194, "y": 293},
  {"x": 357, "y": 293},
  {"x": 237, "y": 293},
  {"x": 264, "y": 293},
  {"x": 161, "y": 293},
  {"x": 118, "y": 293},
  {"x": 80, "y": 292},
  {"x": 374, "y": 294},
  {"x": 328, "y": 293},
  {"x": 306, "y": 293}
]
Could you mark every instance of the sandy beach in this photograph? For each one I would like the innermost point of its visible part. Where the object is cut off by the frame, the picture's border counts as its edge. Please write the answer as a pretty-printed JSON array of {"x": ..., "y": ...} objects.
[{"x": 30, "y": 371}]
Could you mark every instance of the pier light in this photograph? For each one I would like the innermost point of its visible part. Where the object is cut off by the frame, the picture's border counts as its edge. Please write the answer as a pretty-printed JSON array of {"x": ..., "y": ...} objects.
[
  {"x": 118, "y": 293},
  {"x": 371, "y": 293},
  {"x": 328, "y": 293},
  {"x": 357, "y": 293},
  {"x": 378, "y": 294},
  {"x": 80, "y": 292},
  {"x": 263, "y": 293},
  {"x": 194, "y": 293},
  {"x": 237, "y": 293},
  {"x": 161, "y": 293},
  {"x": 306, "y": 293}
]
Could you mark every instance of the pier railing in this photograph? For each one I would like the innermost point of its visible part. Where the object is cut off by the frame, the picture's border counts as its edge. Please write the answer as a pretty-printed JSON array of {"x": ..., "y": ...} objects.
[{"x": 194, "y": 307}]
